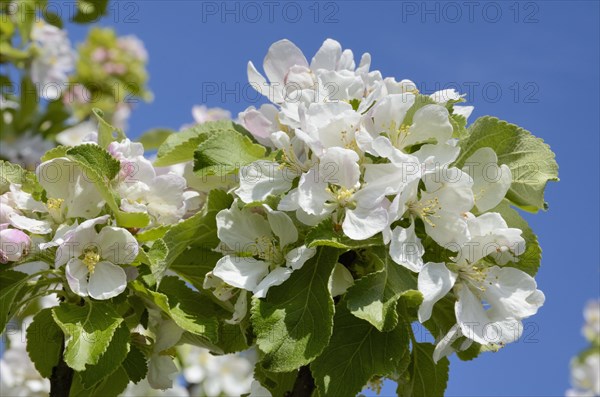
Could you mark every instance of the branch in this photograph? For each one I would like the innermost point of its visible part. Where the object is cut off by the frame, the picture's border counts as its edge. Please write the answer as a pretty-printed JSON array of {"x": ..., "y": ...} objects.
[
  {"x": 304, "y": 385},
  {"x": 62, "y": 376}
]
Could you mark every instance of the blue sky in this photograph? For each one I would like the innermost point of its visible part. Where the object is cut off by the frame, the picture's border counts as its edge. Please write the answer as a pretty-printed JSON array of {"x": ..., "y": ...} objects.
[{"x": 535, "y": 64}]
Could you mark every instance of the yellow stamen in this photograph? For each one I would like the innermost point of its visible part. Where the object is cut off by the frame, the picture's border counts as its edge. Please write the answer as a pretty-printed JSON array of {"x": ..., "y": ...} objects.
[{"x": 91, "y": 257}]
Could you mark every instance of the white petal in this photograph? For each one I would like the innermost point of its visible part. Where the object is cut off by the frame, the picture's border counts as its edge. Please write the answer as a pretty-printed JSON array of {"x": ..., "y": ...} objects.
[
  {"x": 512, "y": 292},
  {"x": 312, "y": 193},
  {"x": 31, "y": 225},
  {"x": 430, "y": 122},
  {"x": 77, "y": 276},
  {"x": 161, "y": 372},
  {"x": 435, "y": 281},
  {"x": 240, "y": 309},
  {"x": 444, "y": 346},
  {"x": 406, "y": 248},
  {"x": 261, "y": 179},
  {"x": 107, "y": 281},
  {"x": 297, "y": 257},
  {"x": 282, "y": 55},
  {"x": 491, "y": 182},
  {"x": 362, "y": 223},
  {"x": 283, "y": 227},
  {"x": 258, "y": 390},
  {"x": 167, "y": 335},
  {"x": 340, "y": 280},
  {"x": 339, "y": 166},
  {"x": 276, "y": 277},
  {"x": 117, "y": 245},
  {"x": 241, "y": 272},
  {"x": 328, "y": 56},
  {"x": 239, "y": 228}
]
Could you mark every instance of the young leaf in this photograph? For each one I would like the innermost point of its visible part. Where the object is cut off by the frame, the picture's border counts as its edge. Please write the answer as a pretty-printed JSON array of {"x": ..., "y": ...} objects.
[
  {"x": 44, "y": 339},
  {"x": 424, "y": 378},
  {"x": 357, "y": 352},
  {"x": 294, "y": 323},
  {"x": 88, "y": 331},
  {"x": 92, "y": 156},
  {"x": 374, "y": 297},
  {"x": 106, "y": 131},
  {"x": 180, "y": 147},
  {"x": 530, "y": 160},
  {"x": 225, "y": 152}
]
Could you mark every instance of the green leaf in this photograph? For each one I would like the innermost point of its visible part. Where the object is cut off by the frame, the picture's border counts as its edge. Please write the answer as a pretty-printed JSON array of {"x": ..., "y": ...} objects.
[
  {"x": 93, "y": 156},
  {"x": 152, "y": 234},
  {"x": 225, "y": 152},
  {"x": 88, "y": 331},
  {"x": 180, "y": 147},
  {"x": 106, "y": 132},
  {"x": 44, "y": 340},
  {"x": 154, "y": 138},
  {"x": 200, "y": 229},
  {"x": 13, "y": 173},
  {"x": 11, "y": 283},
  {"x": 135, "y": 365},
  {"x": 194, "y": 263},
  {"x": 59, "y": 151},
  {"x": 190, "y": 310},
  {"x": 374, "y": 297},
  {"x": 294, "y": 323},
  {"x": 424, "y": 377},
  {"x": 357, "y": 352},
  {"x": 530, "y": 160},
  {"x": 109, "y": 361},
  {"x": 328, "y": 234},
  {"x": 530, "y": 260},
  {"x": 111, "y": 386}
]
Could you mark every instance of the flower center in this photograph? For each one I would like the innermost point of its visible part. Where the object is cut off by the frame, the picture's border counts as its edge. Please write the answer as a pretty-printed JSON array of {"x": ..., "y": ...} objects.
[
  {"x": 54, "y": 203},
  {"x": 267, "y": 250},
  {"x": 426, "y": 209},
  {"x": 91, "y": 257},
  {"x": 343, "y": 196}
]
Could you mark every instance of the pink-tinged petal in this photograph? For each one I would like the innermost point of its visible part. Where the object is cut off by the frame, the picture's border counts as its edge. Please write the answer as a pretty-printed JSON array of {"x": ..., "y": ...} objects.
[
  {"x": 282, "y": 55},
  {"x": 14, "y": 244},
  {"x": 77, "y": 276},
  {"x": 107, "y": 281}
]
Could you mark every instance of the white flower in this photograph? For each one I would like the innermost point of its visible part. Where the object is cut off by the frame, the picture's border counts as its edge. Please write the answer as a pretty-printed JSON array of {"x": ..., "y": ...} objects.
[
  {"x": 25, "y": 150},
  {"x": 585, "y": 376},
  {"x": 162, "y": 371},
  {"x": 143, "y": 388},
  {"x": 18, "y": 376},
  {"x": 258, "y": 390},
  {"x": 84, "y": 132},
  {"x": 262, "y": 253},
  {"x": 69, "y": 189},
  {"x": 92, "y": 258},
  {"x": 510, "y": 294},
  {"x": 142, "y": 190},
  {"x": 133, "y": 46},
  {"x": 55, "y": 60},
  {"x": 213, "y": 376},
  {"x": 443, "y": 205},
  {"x": 335, "y": 183},
  {"x": 203, "y": 114},
  {"x": 15, "y": 205},
  {"x": 261, "y": 122},
  {"x": 591, "y": 329},
  {"x": 490, "y": 181}
]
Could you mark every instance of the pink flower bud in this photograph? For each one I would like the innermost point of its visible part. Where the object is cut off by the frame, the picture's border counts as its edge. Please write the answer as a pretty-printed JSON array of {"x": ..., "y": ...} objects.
[{"x": 14, "y": 244}]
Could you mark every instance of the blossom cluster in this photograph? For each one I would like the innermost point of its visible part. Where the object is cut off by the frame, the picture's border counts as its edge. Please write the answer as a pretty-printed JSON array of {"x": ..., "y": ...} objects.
[
  {"x": 376, "y": 158},
  {"x": 585, "y": 368},
  {"x": 347, "y": 208}
]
